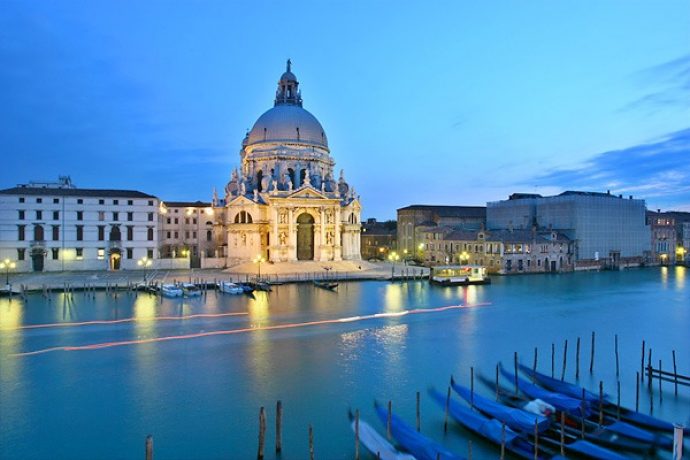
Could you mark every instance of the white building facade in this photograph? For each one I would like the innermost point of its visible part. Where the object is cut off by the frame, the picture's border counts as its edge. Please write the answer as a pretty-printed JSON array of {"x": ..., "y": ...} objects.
[
  {"x": 284, "y": 203},
  {"x": 56, "y": 227}
]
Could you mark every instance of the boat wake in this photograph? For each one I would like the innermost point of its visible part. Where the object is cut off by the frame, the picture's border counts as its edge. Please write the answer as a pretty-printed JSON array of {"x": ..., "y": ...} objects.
[{"x": 349, "y": 319}]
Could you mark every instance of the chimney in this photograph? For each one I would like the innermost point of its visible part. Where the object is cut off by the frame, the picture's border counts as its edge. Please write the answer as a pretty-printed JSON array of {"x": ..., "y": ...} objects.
[
  {"x": 631, "y": 197},
  {"x": 608, "y": 192}
]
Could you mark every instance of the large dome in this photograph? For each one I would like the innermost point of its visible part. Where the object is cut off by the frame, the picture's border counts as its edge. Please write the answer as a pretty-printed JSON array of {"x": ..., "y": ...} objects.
[{"x": 287, "y": 123}]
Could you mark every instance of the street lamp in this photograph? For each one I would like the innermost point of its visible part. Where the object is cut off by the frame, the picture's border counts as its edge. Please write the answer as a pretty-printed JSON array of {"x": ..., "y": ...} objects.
[
  {"x": 257, "y": 260},
  {"x": 144, "y": 262},
  {"x": 6, "y": 265},
  {"x": 464, "y": 257}
]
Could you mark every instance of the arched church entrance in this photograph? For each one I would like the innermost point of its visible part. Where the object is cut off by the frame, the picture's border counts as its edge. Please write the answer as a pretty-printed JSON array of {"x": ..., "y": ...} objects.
[{"x": 305, "y": 237}]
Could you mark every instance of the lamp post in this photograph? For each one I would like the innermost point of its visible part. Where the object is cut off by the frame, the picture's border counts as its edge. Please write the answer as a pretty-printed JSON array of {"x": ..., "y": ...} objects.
[
  {"x": 257, "y": 260},
  {"x": 6, "y": 265},
  {"x": 144, "y": 262}
]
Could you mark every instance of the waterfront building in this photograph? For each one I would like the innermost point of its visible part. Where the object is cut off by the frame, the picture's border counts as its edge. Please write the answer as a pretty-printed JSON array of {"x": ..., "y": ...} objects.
[
  {"x": 415, "y": 219},
  {"x": 57, "y": 226},
  {"x": 285, "y": 203},
  {"x": 608, "y": 231},
  {"x": 378, "y": 239},
  {"x": 500, "y": 251},
  {"x": 684, "y": 251},
  {"x": 190, "y": 230},
  {"x": 663, "y": 241}
]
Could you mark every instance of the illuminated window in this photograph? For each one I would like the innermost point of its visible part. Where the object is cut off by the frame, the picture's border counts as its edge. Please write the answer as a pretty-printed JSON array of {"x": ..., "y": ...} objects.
[
  {"x": 80, "y": 253},
  {"x": 101, "y": 253}
]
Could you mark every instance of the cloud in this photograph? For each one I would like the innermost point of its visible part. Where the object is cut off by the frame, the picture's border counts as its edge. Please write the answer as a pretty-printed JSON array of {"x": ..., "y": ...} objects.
[
  {"x": 658, "y": 172},
  {"x": 671, "y": 87}
]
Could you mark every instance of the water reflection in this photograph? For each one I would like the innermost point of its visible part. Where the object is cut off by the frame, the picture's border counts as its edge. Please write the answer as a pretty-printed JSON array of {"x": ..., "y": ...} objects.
[
  {"x": 680, "y": 274},
  {"x": 11, "y": 317},
  {"x": 664, "y": 276},
  {"x": 393, "y": 297},
  {"x": 258, "y": 308}
]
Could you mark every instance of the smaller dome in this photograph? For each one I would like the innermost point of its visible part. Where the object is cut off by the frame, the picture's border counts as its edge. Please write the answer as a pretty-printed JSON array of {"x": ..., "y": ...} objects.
[{"x": 288, "y": 76}]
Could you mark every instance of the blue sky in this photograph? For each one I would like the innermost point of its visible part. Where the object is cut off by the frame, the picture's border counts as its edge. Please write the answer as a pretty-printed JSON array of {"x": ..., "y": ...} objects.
[{"x": 440, "y": 102}]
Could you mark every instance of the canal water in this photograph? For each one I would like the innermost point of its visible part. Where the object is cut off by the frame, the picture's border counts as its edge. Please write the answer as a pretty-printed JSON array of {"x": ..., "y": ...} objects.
[{"x": 95, "y": 390}]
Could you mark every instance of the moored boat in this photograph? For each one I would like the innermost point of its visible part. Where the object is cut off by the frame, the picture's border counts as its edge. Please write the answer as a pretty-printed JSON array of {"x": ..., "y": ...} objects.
[
  {"x": 422, "y": 447},
  {"x": 375, "y": 443},
  {"x": 458, "y": 275},
  {"x": 329, "y": 285},
  {"x": 171, "y": 290},
  {"x": 227, "y": 287},
  {"x": 191, "y": 290}
]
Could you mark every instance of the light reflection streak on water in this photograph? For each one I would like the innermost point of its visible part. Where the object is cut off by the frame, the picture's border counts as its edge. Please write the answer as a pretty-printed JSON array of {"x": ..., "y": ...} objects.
[
  {"x": 98, "y": 346},
  {"x": 680, "y": 274},
  {"x": 664, "y": 276},
  {"x": 11, "y": 316}
]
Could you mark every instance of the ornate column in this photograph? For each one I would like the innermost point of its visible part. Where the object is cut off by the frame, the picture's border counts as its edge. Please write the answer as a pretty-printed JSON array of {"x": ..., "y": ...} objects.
[
  {"x": 274, "y": 240},
  {"x": 337, "y": 247},
  {"x": 292, "y": 236}
]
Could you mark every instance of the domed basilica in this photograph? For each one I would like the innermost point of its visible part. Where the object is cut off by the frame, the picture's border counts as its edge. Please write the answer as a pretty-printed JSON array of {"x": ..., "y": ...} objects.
[{"x": 284, "y": 203}]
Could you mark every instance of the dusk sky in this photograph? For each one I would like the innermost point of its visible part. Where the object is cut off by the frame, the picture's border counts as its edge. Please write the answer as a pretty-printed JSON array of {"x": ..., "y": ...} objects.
[{"x": 439, "y": 103}]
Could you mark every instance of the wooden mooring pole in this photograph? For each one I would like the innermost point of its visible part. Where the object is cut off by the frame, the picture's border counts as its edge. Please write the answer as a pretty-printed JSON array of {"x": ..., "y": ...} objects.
[
  {"x": 642, "y": 363},
  {"x": 311, "y": 442},
  {"x": 149, "y": 447},
  {"x": 616, "y": 349},
  {"x": 389, "y": 419},
  {"x": 262, "y": 433},
  {"x": 577, "y": 359},
  {"x": 445, "y": 416},
  {"x": 661, "y": 395},
  {"x": 675, "y": 372},
  {"x": 562, "y": 433},
  {"x": 503, "y": 440},
  {"x": 637, "y": 392},
  {"x": 536, "y": 440},
  {"x": 357, "y": 434},
  {"x": 565, "y": 359},
  {"x": 553, "y": 360},
  {"x": 471, "y": 387},
  {"x": 279, "y": 427},
  {"x": 601, "y": 402},
  {"x": 534, "y": 365},
  {"x": 515, "y": 361},
  {"x": 419, "y": 417}
]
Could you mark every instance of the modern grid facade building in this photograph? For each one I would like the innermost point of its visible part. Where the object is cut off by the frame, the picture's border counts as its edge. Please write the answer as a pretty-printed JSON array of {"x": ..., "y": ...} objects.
[
  {"x": 609, "y": 231},
  {"x": 56, "y": 226}
]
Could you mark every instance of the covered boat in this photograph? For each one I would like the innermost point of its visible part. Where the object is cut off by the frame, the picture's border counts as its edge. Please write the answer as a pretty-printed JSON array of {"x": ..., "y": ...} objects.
[
  {"x": 451, "y": 275},
  {"x": 420, "y": 446},
  {"x": 227, "y": 287},
  {"x": 171, "y": 290},
  {"x": 377, "y": 444},
  {"x": 569, "y": 389},
  {"x": 191, "y": 290}
]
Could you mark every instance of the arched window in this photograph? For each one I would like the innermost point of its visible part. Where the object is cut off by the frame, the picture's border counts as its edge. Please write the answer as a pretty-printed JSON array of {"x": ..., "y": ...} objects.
[
  {"x": 291, "y": 174},
  {"x": 352, "y": 218},
  {"x": 115, "y": 234},
  {"x": 209, "y": 235},
  {"x": 302, "y": 176},
  {"x": 208, "y": 222},
  {"x": 243, "y": 217}
]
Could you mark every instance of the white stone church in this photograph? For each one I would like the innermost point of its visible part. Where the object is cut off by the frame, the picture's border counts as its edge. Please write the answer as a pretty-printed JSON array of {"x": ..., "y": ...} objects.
[{"x": 284, "y": 203}]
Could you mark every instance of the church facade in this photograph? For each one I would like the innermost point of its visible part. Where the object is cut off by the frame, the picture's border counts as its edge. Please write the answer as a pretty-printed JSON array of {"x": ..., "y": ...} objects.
[{"x": 284, "y": 202}]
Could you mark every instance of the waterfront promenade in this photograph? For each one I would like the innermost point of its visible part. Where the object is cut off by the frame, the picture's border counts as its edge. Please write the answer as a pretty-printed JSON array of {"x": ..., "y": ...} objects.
[{"x": 279, "y": 272}]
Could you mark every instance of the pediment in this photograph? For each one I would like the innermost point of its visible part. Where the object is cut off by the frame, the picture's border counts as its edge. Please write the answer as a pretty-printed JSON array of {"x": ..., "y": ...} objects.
[
  {"x": 307, "y": 193},
  {"x": 241, "y": 201}
]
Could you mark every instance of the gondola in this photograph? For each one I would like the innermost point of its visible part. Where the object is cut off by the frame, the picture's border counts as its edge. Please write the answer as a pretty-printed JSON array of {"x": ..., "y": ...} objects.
[
  {"x": 626, "y": 414},
  {"x": 573, "y": 425},
  {"x": 561, "y": 402},
  {"x": 519, "y": 443},
  {"x": 421, "y": 447},
  {"x": 329, "y": 285},
  {"x": 375, "y": 443}
]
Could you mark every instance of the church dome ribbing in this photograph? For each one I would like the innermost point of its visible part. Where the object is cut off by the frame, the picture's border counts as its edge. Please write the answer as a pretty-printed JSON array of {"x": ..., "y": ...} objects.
[{"x": 288, "y": 122}]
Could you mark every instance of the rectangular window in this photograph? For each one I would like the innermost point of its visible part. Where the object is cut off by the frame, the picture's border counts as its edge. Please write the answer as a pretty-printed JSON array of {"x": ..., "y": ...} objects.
[
  {"x": 56, "y": 253},
  {"x": 186, "y": 235},
  {"x": 21, "y": 253},
  {"x": 150, "y": 202},
  {"x": 193, "y": 235},
  {"x": 130, "y": 202},
  {"x": 21, "y": 234},
  {"x": 176, "y": 221},
  {"x": 194, "y": 221},
  {"x": 101, "y": 215},
  {"x": 80, "y": 253},
  {"x": 130, "y": 253},
  {"x": 177, "y": 235},
  {"x": 130, "y": 233},
  {"x": 186, "y": 220},
  {"x": 21, "y": 214},
  {"x": 130, "y": 216},
  {"x": 150, "y": 217},
  {"x": 56, "y": 200},
  {"x": 80, "y": 215},
  {"x": 80, "y": 201},
  {"x": 116, "y": 202},
  {"x": 168, "y": 235},
  {"x": 39, "y": 215},
  {"x": 101, "y": 201},
  {"x": 149, "y": 234},
  {"x": 56, "y": 232},
  {"x": 39, "y": 200},
  {"x": 101, "y": 233},
  {"x": 116, "y": 216},
  {"x": 80, "y": 233},
  {"x": 21, "y": 199},
  {"x": 167, "y": 220},
  {"x": 101, "y": 253},
  {"x": 149, "y": 253},
  {"x": 56, "y": 215}
]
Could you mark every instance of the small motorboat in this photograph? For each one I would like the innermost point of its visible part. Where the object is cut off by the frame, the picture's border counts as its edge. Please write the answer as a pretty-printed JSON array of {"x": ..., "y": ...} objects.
[
  {"x": 171, "y": 290},
  {"x": 329, "y": 285},
  {"x": 227, "y": 287},
  {"x": 191, "y": 290}
]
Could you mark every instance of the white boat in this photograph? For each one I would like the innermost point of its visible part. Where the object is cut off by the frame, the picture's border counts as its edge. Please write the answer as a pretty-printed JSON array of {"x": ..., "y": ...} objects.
[
  {"x": 191, "y": 290},
  {"x": 463, "y": 275},
  {"x": 230, "y": 288},
  {"x": 171, "y": 290}
]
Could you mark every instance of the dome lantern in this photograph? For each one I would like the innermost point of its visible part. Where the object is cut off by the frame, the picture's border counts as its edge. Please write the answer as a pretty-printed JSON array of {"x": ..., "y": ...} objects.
[{"x": 288, "y": 88}]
